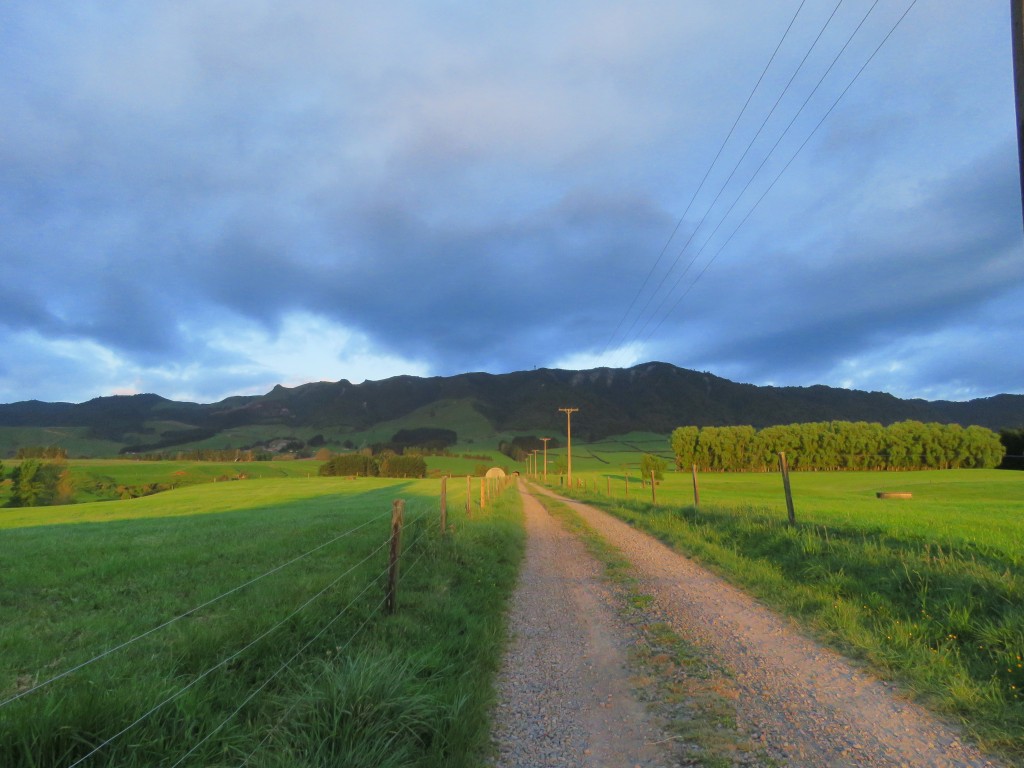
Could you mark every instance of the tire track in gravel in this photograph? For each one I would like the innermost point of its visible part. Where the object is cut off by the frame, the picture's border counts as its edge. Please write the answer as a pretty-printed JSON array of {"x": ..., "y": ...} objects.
[
  {"x": 801, "y": 702},
  {"x": 565, "y": 697}
]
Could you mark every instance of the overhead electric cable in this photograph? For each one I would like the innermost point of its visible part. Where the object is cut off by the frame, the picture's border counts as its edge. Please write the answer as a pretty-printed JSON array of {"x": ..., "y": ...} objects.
[
  {"x": 700, "y": 186},
  {"x": 786, "y": 167},
  {"x": 754, "y": 175},
  {"x": 725, "y": 184}
]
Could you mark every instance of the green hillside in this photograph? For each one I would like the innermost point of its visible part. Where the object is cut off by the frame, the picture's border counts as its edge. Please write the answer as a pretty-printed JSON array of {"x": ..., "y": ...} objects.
[{"x": 481, "y": 408}]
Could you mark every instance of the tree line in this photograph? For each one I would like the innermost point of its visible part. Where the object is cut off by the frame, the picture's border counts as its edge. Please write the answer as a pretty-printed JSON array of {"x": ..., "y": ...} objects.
[
  {"x": 362, "y": 465},
  {"x": 836, "y": 446}
]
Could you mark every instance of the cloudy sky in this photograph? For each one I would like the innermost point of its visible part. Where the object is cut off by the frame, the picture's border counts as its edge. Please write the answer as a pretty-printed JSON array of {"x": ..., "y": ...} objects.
[{"x": 208, "y": 197}]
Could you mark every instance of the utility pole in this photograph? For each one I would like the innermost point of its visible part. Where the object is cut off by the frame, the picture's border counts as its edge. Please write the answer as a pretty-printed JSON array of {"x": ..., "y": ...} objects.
[
  {"x": 545, "y": 439},
  {"x": 534, "y": 454},
  {"x": 568, "y": 441},
  {"x": 1017, "y": 30}
]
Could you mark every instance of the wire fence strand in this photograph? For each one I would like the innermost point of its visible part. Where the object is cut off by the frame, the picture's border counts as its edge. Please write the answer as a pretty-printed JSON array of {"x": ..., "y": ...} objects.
[
  {"x": 184, "y": 615},
  {"x": 341, "y": 649},
  {"x": 226, "y": 660}
]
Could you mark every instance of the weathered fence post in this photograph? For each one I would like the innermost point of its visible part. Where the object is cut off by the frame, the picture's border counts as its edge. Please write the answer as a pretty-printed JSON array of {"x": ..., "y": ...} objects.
[
  {"x": 397, "y": 512},
  {"x": 483, "y": 493},
  {"x": 469, "y": 497},
  {"x": 696, "y": 489},
  {"x": 654, "y": 496},
  {"x": 785, "y": 484},
  {"x": 444, "y": 504}
]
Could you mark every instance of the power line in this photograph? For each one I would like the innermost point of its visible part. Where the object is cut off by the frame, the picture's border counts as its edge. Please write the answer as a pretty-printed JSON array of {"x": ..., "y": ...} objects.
[
  {"x": 699, "y": 188},
  {"x": 725, "y": 184},
  {"x": 784, "y": 169},
  {"x": 763, "y": 162}
]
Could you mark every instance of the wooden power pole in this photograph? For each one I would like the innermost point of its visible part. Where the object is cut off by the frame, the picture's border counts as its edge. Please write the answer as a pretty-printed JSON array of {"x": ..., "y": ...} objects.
[
  {"x": 545, "y": 440},
  {"x": 568, "y": 441},
  {"x": 1017, "y": 30}
]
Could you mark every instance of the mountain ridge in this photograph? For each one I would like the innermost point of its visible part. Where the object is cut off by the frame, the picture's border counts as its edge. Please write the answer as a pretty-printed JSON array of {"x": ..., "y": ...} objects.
[{"x": 651, "y": 397}]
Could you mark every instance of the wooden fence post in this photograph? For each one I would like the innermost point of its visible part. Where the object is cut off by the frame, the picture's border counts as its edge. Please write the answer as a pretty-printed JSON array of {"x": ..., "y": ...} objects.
[
  {"x": 696, "y": 489},
  {"x": 483, "y": 493},
  {"x": 627, "y": 486},
  {"x": 397, "y": 512},
  {"x": 785, "y": 484},
  {"x": 654, "y": 496},
  {"x": 609, "y": 484},
  {"x": 469, "y": 497},
  {"x": 444, "y": 505}
]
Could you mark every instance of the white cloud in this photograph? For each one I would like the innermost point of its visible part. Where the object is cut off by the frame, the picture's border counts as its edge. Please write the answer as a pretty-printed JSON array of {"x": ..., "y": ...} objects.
[
  {"x": 304, "y": 348},
  {"x": 622, "y": 357}
]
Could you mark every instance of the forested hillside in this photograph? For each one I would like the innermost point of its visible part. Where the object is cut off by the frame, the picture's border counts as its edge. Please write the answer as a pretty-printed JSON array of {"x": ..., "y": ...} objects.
[{"x": 653, "y": 397}]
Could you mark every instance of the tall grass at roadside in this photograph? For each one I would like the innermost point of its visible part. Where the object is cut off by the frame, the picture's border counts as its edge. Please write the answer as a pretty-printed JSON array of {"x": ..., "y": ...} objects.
[
  {"x": 336, "y": 682},
  {"x": 942, "y": 613}
]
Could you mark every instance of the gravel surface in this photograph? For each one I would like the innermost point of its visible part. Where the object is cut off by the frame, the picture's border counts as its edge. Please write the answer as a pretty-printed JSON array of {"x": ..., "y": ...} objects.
[
  {"x": 565, "y": 696},
  {"x": 799, "y": 702}
]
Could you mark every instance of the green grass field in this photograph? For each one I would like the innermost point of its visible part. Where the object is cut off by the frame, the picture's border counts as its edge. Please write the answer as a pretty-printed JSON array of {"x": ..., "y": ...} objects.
[
  {"x": 295, "y": 666},
  {"x": 105, "y": 479},
  {"x": 108, "y": 479},
  {"x": 928, "y": 590}
]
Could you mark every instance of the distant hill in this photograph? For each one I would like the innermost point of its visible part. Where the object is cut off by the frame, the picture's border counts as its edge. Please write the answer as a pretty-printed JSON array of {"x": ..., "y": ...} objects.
[{"x": 652, "y": 397}]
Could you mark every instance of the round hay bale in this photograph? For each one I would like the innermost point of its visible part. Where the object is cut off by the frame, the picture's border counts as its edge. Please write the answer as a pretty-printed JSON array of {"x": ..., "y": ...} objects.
[{"x": 495, "y": 472}]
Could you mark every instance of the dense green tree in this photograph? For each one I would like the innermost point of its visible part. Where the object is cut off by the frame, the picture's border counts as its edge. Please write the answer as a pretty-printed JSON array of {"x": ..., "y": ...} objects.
[
  {"x": 651, "y": 463},
  {"x": 984, "y": 447},
  {"x": 684, "y": 446},
  {"x": 34, "y": 484}
]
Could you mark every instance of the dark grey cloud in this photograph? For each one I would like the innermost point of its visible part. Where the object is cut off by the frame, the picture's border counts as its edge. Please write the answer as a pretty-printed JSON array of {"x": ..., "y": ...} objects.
[{"x": 488, "y": 188}]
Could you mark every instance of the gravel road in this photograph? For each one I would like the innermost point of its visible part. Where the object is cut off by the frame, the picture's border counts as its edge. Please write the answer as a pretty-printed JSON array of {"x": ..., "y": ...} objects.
[
  {"x": 800, "y": 703},
  {"x": 565, "y": 691}
]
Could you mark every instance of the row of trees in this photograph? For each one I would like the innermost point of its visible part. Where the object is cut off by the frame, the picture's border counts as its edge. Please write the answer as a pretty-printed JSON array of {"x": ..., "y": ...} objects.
[
  {"x": 838, "y": 445},
  {"x": 42, "y": 452},
  {"x": 361, "y": 465}
]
